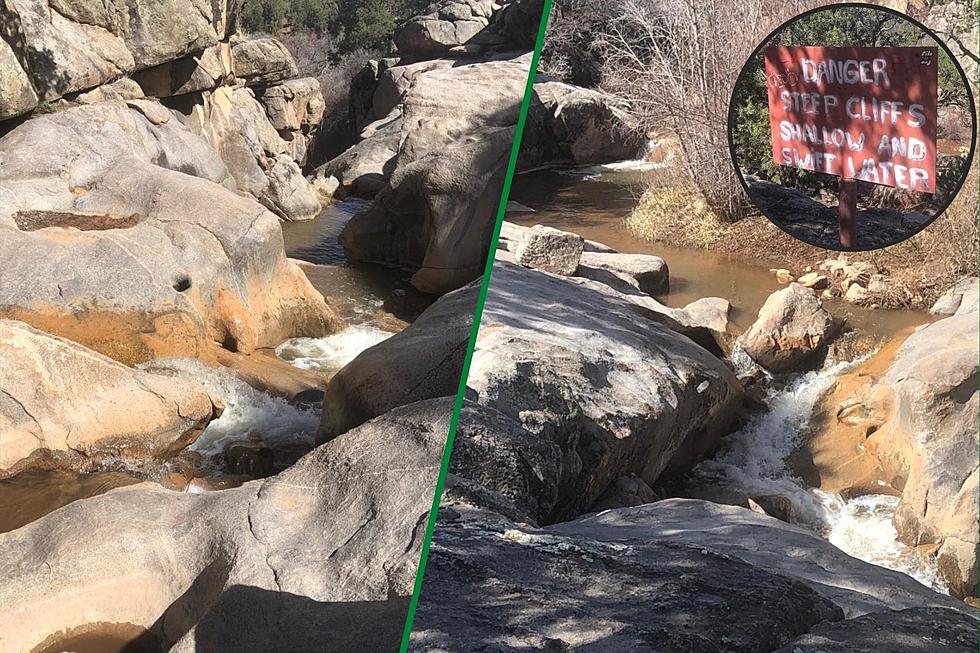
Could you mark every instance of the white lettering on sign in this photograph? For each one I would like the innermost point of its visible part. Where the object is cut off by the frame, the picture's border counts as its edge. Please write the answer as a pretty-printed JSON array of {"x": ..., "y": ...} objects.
[
  {"x": 846, "y": 71},
  {"x": 862, "y": 113}
]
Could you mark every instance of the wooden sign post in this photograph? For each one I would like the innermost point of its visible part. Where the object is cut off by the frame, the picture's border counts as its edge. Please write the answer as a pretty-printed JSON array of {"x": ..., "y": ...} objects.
[{"x": 862, "y": 114}]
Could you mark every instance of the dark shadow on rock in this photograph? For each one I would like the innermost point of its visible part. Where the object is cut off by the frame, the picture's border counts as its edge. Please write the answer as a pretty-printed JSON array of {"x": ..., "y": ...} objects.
[{"x": 247, "y": 618}]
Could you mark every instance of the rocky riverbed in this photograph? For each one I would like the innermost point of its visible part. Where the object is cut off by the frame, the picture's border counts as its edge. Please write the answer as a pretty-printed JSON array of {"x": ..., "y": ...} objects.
[
  {"x": 214, "y": 438},
  {"x": 616, "y": 457}
]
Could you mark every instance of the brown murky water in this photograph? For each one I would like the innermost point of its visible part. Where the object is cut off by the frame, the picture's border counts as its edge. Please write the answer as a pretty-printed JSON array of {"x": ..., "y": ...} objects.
[
  {"x": 595, "y": 206},
  {"x": 36, "y": 492},
  {"x": 362, "y": 294},
  {"x": 103, "y": 638}
]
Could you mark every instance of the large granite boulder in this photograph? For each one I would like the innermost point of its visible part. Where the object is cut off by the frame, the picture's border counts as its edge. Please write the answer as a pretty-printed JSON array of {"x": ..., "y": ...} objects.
[
  {"x": 550, "y": 250},
  {"x": 928, "y": 440},
  {"x": 56, "y": 395},
  {"x": 647, "y": 273},
  {"x": 322, "y": 556},
  {"x": 436, "y": 214},
  {"x": 263, "y": 61},
  {"x": 67, "y": 53},
  {"x": 603, "y": 380},
  {"x": 962, "y": 297},
  {"x": 394, "y": 83},
  {"x": 293, "y": 105},
  {"x": 450, "y": 24},
  {"x": 74, "y": 46},
  {"x": 200, "y": 71},
  {"x": 568, "y": 124},
  {"x": 17, "y": 96},
  {"x": 289, "y": 194},
  {"x": 676, "y": 575},
  {"x": 259, "y": 159},
  {"x": 121, "y": 231},
  {"x": 365, "y": 168},
  {"x": 422, "y": 362},
  {"x": 792, "y": 326}
]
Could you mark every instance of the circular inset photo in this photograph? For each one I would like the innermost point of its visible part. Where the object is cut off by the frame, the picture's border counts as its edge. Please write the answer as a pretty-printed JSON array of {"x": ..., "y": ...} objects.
[{"x": 852, "y": 127}]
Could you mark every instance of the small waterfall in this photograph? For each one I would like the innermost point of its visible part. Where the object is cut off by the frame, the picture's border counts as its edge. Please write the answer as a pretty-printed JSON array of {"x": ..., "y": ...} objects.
[
  {"x": 248, "y": 413},
  {"x": 331, "y": 353},
  {"x": 753, "y": 463}
]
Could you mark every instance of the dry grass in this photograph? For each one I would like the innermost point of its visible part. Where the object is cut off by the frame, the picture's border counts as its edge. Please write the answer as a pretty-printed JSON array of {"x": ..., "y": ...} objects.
[
  {"x": 678, "y": 215},
  {"x": 917, "y": 270}
]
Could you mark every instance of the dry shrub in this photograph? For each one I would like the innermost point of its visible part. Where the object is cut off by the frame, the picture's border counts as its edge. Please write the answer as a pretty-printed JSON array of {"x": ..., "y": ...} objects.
[
  {"x": 926, "y": 265},
  {"x": 675, "y": 64},
  {"x": 676, "y": 214}
]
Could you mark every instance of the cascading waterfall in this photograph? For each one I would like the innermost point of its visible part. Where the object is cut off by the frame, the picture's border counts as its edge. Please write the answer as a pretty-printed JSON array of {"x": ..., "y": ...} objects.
[
  {"x": 248, "y": 414},
  {"x": 753, "y": 463},
  {"x": 331, "y": 353}
]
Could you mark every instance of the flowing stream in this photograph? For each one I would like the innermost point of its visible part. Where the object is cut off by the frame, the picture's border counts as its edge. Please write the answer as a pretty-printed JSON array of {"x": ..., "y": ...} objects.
[
  {"x": 753, "y": 463},
  {"x": 269, "y": 432},
  {"x": 594, "y": 202}
]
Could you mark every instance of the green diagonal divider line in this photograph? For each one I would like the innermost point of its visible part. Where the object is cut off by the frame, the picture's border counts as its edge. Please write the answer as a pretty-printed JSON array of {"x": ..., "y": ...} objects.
[{"x": 477, "y": 313}]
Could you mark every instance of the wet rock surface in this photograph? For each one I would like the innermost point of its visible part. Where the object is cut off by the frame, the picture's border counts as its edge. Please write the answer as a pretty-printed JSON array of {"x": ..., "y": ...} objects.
[{"x": 56, "y": 395}]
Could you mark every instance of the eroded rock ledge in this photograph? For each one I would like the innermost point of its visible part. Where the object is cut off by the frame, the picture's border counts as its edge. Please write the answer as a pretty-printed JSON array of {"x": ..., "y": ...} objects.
[
  {"x": 177, "y": 263},
  {"x": 325, "y": 551}
]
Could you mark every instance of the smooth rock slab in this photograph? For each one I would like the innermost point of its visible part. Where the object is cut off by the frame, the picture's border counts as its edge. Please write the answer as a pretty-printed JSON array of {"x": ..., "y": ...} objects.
[
  {"x": 648, "y": 273},
  {"x": 764, "y": 542},
  {"x": 56, "y": 395},
  {"x": 489, "y": 587},
  {"x": 915, "y": 630}
]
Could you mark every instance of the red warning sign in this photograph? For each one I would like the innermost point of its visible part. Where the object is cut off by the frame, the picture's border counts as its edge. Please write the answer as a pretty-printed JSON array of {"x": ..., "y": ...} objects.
[{"x": 858, "y": 113}]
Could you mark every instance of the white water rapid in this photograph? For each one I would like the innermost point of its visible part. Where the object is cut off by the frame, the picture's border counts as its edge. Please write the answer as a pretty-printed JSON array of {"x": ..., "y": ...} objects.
[
  {"x": 753, "y": 463},
  {"x": 331, "y": 353},
  {"x": 249, "y": 414}
]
